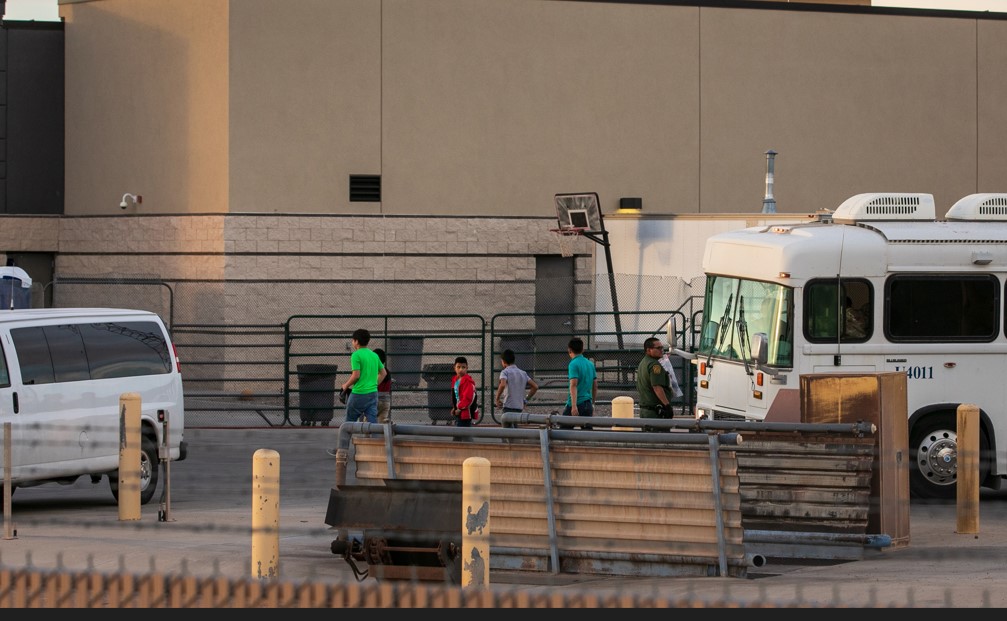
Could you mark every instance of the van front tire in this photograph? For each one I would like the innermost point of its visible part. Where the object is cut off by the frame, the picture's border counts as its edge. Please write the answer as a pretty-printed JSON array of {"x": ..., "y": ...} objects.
[{"x": 149, "y": 471}]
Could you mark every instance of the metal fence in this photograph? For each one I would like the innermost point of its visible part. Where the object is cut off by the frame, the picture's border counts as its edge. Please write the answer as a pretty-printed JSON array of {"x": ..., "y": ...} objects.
[{"x": 249, "y": 373}]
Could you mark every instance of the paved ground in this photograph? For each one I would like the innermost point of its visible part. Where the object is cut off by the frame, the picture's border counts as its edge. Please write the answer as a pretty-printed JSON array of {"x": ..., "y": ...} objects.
[{"x": 77, "y": 526}]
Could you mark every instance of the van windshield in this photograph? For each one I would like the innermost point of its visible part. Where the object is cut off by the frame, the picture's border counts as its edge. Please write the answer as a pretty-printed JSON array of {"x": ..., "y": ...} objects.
[{"x": 735, "y": 309}]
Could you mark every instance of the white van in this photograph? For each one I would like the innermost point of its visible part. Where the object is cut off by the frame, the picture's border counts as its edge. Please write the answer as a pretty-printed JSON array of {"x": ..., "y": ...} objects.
[{"x": 62, "y": 372}]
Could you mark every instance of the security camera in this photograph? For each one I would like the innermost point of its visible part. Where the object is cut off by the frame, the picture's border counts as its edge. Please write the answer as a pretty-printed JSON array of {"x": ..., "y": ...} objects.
[{"x": 135, "y": 198}]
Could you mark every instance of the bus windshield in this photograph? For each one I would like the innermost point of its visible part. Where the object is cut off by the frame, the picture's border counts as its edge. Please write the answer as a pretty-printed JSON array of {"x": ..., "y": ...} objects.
[{"x": 735, "y": 309}]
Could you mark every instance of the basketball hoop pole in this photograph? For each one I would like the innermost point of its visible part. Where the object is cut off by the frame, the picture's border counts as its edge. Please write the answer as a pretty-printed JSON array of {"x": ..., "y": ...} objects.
[{"x": 603, "y": 240}]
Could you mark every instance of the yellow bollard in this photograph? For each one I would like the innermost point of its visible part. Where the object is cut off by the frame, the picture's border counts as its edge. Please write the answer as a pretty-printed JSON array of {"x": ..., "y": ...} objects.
[
  {"x": 8, "y": 525},
  {"x": 968, "y": 468},
  {"x": 266, "y": 514},
  {"x": 129, "y": 456},
  {"x": 622, "y": 407},
  {"x": 476, "y": 522}
]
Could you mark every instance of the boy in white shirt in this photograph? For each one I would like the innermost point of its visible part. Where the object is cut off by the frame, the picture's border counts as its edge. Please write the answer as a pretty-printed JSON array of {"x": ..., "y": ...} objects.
[{"x": 513, "y": 382}]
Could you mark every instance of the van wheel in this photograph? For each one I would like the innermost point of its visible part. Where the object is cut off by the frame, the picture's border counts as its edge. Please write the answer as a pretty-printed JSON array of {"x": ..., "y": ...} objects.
[
  {"x": 149, "y": 469},
  {"x": 933, "y": 471}
]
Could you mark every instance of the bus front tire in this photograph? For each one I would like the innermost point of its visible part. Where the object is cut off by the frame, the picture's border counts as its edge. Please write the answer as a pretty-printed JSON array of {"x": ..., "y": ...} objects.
[{"x": 933, "y": 471}]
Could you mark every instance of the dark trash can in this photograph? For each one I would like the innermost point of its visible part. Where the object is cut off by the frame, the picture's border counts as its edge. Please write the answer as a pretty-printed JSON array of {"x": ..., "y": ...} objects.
[
  {"x": 438, "y": 377},
  {"x": 317, "y": 393},
  {"x": 405, "y": 354}
]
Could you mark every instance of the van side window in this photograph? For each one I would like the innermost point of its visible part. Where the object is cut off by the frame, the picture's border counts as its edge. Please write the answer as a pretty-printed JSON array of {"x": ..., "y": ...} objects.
[
  {"x": 125, "y": 349},
  {"x": 66, "y": 349},
  {"x": 33, "y": 355},
  {"x": 942, "y": 308},
  {"x": 4, "y": 374}
]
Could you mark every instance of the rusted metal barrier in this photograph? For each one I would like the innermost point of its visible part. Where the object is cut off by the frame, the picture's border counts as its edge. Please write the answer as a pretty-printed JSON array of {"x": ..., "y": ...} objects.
[{"x": 578, "y": 501}]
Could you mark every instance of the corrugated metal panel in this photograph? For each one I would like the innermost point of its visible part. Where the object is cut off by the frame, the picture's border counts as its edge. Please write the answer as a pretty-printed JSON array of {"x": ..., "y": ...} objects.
[
  {"x": 800, "y": 483},
  {"x": 622, "y": 510}
]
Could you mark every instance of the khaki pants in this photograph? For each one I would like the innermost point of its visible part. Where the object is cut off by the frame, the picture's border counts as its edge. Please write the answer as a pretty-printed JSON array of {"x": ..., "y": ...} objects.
[{"x": 384, "y": 407}]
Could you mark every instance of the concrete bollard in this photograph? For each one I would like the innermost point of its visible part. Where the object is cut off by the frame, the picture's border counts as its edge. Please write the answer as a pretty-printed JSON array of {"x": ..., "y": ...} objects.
[
  {"x": 266, "y": 514},
  {"x": 129, "y": 456},
  {"x": 968, "y": 469},
  {"x": 622, "y": 407},
  {"x": 476, "y": 522}
]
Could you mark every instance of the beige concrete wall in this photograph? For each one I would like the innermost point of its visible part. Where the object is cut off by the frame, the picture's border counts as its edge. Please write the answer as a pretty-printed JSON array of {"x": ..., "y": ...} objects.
[
  {"x": 306, "y": 109},
  {"x": 489, "y": 107},
  {"x": 991, "y": 130},
  {"x": 494, "y": 107},
  {"x": 852, "y": 103},
  {"x": 146, "y": 105}
]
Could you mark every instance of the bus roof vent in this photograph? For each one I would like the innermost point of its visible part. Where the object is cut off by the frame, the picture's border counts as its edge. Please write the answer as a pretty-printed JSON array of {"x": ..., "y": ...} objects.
[
  {"x": 886, "y": 206},
  {"x": 979, "y": 207}
]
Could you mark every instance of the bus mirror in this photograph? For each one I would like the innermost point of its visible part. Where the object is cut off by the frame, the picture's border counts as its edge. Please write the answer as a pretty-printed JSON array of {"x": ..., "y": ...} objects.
[
  {"x": 760, "y": 348},
  {"x": 672, "y": 329}
]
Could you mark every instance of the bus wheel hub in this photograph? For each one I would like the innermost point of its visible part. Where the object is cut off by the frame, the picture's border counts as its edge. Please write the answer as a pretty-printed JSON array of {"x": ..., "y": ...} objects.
[{"x": 939, "y": 456}]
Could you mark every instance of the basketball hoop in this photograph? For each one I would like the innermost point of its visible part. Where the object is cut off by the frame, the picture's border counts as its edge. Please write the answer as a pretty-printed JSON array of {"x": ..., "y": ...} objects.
[{"x": 566, "y": 237}]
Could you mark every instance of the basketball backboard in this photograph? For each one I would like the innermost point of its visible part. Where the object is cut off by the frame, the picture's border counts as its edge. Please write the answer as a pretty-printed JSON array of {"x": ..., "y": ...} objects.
[{"x": 580, "y": 211}]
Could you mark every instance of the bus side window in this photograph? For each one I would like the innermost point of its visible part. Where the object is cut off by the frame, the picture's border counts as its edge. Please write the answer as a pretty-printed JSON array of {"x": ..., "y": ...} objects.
[
  {"x": 857, "y": 310},
  {"x": 820, "y": 318}
]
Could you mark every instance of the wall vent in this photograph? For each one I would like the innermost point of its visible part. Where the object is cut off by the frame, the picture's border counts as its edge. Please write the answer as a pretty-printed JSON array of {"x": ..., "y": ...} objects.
[
  {"x": 886, "y": 206},
  {"x": 365, "y": 188},
  {"x": 979, "y": 207}
]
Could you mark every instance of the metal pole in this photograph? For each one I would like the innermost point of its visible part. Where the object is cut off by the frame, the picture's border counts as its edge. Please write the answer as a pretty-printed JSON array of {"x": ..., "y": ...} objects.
[
  {"x": 718, "y": 505},
  {"x": 611, "y": 286},
  {"x": 543, "y": 439}
]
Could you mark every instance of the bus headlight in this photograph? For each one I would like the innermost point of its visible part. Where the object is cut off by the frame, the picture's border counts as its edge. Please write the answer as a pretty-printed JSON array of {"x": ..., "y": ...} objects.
[{"x": 702, "y": 414}]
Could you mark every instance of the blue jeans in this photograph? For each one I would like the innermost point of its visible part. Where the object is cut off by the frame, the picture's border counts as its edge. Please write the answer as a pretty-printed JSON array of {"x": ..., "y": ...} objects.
[{"x": 362, "y": 407}]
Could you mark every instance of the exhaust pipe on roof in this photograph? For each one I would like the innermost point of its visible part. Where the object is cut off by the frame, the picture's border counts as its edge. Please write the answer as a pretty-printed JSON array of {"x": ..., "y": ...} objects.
[{"x": 769, "y": 203}]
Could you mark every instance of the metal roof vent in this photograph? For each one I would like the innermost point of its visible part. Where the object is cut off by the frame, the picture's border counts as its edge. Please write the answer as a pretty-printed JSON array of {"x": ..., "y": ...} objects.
[
  {"x": 886, "y": 206},
  {"x": 979, "y": 207}
]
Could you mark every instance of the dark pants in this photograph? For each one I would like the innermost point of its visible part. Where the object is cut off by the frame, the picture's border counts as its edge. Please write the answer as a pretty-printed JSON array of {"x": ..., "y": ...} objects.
[
  {"x": 584, "y": 408},
  {"x": 466, "y": 422},
  {"x": 652, "y": 413}
]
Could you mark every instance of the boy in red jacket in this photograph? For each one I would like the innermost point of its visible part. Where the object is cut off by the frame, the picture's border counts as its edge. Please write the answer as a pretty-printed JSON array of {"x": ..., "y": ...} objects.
[{"x": 463, "y": 393}]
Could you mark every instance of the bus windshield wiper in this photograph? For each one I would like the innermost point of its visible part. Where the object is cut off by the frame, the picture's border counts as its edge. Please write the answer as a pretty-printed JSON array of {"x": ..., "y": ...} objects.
[
  {"x": 744, "y": 344},
  {"x": 725, "y": 325}
]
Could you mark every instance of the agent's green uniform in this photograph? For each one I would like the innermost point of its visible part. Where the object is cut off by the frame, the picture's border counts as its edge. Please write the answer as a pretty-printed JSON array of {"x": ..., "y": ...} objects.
[{"x": 650, "y": 373}]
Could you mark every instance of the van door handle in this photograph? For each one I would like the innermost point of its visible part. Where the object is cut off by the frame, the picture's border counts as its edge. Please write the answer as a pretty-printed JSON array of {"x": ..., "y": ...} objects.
[{"x": 16, "y": 407}]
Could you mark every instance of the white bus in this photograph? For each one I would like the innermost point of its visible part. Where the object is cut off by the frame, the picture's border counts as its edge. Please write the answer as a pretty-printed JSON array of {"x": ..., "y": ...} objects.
[{"x": 879, "y": 285}]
